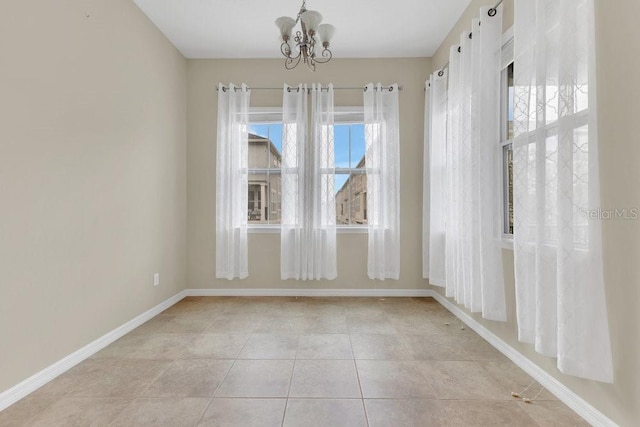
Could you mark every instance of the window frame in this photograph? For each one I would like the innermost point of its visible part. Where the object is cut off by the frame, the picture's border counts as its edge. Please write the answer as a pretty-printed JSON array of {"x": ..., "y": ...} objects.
[
  {"x": 505, "y": 142},
  {"x": 273, "y": 115},
  {"x": 350, "y": 115},
  {"x": 262, "y": 116}
]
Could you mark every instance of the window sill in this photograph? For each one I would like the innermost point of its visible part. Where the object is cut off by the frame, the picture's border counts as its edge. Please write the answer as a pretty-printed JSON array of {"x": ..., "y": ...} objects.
[
  {"x": 506, "y": 242},
  {"x": 263, "y": 229},
  {"x": 275, "y": 229}
]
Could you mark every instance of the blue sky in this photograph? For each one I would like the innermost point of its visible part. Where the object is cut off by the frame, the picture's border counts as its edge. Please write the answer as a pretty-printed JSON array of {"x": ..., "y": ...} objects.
[{"x": 347, "y": 155}]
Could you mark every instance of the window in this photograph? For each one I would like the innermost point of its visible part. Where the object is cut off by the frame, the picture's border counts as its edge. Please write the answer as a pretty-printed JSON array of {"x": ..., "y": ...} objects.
[
  {"x": 350, "y": 175},
  {"x": 506, "y": 145},
  {"x": 265, "y": 157}
]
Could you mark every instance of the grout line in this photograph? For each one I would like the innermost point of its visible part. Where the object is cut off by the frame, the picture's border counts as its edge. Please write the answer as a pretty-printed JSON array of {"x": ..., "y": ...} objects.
[
  {"x": 355, "y": 365},
  {"x": 223, "y": 379},
  {"x": 204, "y": 411}
]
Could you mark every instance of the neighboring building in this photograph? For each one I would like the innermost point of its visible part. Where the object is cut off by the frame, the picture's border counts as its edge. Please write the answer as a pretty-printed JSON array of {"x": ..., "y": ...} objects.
[
  {"x": 351, "y": 199},
  {"x": 265, "y": 192}
]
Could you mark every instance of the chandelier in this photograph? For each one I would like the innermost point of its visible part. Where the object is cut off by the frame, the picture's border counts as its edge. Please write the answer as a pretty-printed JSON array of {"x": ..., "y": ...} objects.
[{"x": 306, "y": 43}]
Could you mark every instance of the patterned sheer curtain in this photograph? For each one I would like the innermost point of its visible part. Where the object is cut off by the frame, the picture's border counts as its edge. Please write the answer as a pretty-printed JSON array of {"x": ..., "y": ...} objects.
[
  {"x": 231, "y": 182},
  {"x": 435, "y": 187},
  {"x": 561, "y": 306},
  {"x": 382, "y": 139},
  {"x": 322, "y": 262},
  {"x": 473, "y": 273},
  {"x": 426, "y": 202},
  {"x": 308, "y": 233}
]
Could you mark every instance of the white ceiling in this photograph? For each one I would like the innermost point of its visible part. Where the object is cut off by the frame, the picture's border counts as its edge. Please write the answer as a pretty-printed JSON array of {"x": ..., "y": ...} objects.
[{"x": 246, "y": 29}]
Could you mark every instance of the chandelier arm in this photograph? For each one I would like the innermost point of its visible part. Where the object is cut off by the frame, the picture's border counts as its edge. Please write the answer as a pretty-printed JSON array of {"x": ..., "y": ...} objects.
[
  {"x": 291, "y": 63},
  {"x": 285, "y": 49},
  {"x": 326, "y": 57},
  {"x": 312, "y": 64}
]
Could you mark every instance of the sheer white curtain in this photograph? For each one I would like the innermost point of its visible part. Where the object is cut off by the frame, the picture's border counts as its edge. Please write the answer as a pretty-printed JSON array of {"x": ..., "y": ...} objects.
[
  {"x": 471, "y": 255},
  {"x": 426, "y": 187},
  {"x": 382, "y": 139},
  {"x": 308, "y": 233},
  {"x": 293, "y": 245},
  {"x": 322, "y": 262},
  {"x": 231, "y": 182},
  {"x": 561, "y": 306},
  {"x": 435, "y": 186}
]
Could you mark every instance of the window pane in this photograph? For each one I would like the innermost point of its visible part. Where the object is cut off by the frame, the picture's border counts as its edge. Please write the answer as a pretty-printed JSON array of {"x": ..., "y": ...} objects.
[
  {"x": 351, "y": 199},
  {"x": 357, "y": 146},
  {"x": 510, "y": 102},
  {"x": 265, "y": 198},
  {"x": 275, "y": 198},
  {"x": 265, "y": 145},
  {"x": 507, "y": 155},
  {"x": 342, "y": 199},
  {"x": 341, "y": 145}
]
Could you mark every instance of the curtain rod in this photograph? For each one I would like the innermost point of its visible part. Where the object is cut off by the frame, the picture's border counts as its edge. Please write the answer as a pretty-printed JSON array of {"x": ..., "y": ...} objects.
[
  {"x": 492, "y": 12},
  {"x": 324, "y": 88}
]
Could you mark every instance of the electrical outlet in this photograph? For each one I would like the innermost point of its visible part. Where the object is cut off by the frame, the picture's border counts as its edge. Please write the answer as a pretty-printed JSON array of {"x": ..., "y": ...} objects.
[{"x": 156, "y": 279}]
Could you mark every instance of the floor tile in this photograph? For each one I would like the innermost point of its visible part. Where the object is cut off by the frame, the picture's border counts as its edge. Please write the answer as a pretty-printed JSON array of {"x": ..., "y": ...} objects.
[
  {"x": 117, "y": 377},
  {"x": 324, "y": 346},
  {"x": 511, "y": 378},
  {"x": 404, "y": 412},
  {"x": 162, "y": 412},
  {"x": 235, "y": 323},
  {"x": 121, "y": 348},
  {"x": 216, "y": 346},
  {"x": 324, "y": 324},
  {"x": 465, "y": 380},
  {"x": 188, "y": 323},
  {"x": 365, "y": 324},
  {"x": 552, "y": 414},
  {"x": 163, "y": 346},
  {"x": 325, "y": 378},
  {"x": 70, "y": 412},
  {"x": 270, "y": 346},
  {"x": 257, "y": 378},
  {"x": 24, "y": 410},
  {"x": 379, "y": 347},
  {"x": 190, "y": 378},
  {"x": 485, "y": 413},
  {"x": 280, "y": 323},
  {"x": 393, "y": 379},
  {"x": 153, "y": 325},
  {"x": 324, "y": 412},
  {"x": 435, "y": 347},
  {"x": 244, "y": 412}
]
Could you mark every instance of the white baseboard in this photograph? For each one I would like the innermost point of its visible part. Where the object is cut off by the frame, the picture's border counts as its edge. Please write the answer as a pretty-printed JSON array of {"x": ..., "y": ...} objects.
[
  {"x": 562, "y": 392},
  {"x": 34, "y": 382},
  {"x": 575, "y": 402},
  {"x": 305, "y": 292}
]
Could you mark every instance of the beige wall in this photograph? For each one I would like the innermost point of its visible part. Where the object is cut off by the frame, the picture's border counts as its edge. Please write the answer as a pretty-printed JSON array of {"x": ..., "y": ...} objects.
[
  {"x": 617, "y": 64},
  {"x": 92, "y": 175},
  {"x": 264, "y": 249}
]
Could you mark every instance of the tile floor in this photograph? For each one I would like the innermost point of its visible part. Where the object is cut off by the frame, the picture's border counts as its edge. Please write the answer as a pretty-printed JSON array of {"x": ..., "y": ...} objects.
[{"x": 232, "y": 361}]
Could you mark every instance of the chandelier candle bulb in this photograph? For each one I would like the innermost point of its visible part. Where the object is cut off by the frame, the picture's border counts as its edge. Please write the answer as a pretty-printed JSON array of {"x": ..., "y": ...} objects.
[
  {"x": 311, "y": 19},
  {"x": 285, "y": 24},
  {"x": 325, "y": 32}
]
